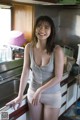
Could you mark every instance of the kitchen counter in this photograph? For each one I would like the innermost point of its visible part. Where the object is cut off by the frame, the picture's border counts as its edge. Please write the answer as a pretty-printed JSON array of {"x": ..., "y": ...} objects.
[
  {"x": 21, "y": 113},
  {"x": 5, "y": 108}
]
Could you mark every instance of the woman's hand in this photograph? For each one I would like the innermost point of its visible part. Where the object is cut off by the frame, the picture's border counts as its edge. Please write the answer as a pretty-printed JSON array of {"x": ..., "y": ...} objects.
[
  {"x": 36, "y": 97},
  {"x": 14, "y": 102}
]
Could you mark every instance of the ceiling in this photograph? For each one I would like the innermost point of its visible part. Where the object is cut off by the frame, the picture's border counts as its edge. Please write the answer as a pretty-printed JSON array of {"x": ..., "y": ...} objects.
[
  {"x": 51, "y": 2},
  {"x": 42, "y": 2},
  {"x": 35, "y": 2}
]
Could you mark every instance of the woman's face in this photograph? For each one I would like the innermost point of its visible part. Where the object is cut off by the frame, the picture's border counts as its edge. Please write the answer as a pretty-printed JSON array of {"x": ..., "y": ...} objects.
[{"x": 43, "y": 30}]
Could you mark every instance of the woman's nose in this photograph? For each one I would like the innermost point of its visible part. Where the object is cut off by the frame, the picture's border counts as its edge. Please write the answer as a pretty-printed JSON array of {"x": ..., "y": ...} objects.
[{"x": 42, "y": 28}]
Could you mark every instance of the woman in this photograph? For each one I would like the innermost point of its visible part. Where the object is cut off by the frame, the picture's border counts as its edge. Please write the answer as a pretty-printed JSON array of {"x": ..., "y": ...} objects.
[{"x": 46, "y": 62}]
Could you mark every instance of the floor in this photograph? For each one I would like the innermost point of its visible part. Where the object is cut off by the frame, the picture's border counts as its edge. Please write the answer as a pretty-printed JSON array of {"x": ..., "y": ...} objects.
[{"x": 73, "y": 113}]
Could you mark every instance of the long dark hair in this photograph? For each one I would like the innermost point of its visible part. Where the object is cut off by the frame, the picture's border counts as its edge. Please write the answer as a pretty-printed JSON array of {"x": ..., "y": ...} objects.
[{"x": 51, "y": 39}]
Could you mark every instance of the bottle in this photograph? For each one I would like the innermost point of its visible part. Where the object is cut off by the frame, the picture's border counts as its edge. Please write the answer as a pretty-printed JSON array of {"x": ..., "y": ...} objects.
[{"x": 9, "y": 54}]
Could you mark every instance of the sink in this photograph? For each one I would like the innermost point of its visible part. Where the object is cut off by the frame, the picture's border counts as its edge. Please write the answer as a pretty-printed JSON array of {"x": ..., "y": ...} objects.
[{"x": 9, "y": 90}]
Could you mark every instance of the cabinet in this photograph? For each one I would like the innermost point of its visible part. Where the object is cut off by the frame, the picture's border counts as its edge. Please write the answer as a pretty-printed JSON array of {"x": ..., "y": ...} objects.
[
  {"x": 69, "y": 1},
  {"x": 64, "y": 95},
  {"x": 71, "y": 93},
  {"x": 71, "y": 112},
  {"x": 5, "y": 2},
  {"x": 52, "y": 1}
]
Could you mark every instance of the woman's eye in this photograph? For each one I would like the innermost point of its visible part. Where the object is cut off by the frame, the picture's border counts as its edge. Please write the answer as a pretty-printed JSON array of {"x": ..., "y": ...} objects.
[
  {"x": 43, "y": 26},
  {"x": 38, "y": 25},
  {"x": 47, "y": 27}
]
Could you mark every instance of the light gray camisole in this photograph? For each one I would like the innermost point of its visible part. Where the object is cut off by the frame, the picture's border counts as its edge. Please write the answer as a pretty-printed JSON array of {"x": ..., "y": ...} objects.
[{"x": 41, "y": 75}]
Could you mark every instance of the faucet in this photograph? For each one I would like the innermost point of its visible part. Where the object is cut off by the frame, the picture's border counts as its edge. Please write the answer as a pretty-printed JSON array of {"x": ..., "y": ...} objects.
[{"x": 1, "y": 78}]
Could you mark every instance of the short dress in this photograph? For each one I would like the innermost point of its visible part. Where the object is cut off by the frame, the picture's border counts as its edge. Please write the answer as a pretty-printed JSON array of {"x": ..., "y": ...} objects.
[{"x": 51, "y": 97}]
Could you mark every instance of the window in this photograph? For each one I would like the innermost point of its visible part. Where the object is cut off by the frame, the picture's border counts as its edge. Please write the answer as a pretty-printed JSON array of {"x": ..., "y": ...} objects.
[{"x": 5, "y": 24}]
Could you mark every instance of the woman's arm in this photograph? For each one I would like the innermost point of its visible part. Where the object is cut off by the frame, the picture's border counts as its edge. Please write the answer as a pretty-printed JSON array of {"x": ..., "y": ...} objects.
[
  {"x": 23, "y": 79},
  {"x": 25, "y": 71}
]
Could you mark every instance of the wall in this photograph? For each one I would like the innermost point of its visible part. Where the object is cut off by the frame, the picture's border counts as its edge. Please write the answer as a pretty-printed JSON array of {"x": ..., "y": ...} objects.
[{"x": 66, "y": 22}]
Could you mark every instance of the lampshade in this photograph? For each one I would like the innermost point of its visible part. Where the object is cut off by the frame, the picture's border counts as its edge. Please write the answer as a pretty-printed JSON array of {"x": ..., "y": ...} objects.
[{"x": 78, "y": 57}]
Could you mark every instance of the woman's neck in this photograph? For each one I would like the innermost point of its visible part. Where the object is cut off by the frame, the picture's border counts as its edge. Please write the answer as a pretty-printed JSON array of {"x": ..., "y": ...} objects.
[{"x": 41, "y": 45}]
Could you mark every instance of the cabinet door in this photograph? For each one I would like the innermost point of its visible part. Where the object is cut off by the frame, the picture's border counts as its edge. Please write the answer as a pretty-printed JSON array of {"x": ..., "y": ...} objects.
[
  {"x": 64, "y": 95},
  {"x": 62, "y": 110},
  {"x": 64, "y": 90},
  {"x": 71, "y": 94}
]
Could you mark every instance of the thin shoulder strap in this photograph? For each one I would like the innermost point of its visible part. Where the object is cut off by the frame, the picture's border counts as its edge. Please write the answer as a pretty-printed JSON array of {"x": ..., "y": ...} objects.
[
  {"x": 31, "y": 56},
  {"x": 30, "y": 51}
]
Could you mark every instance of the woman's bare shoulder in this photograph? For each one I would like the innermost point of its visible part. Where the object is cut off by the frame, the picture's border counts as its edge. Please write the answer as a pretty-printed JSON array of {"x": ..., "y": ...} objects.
[
  {"x": 28, "y": 45},
  {"x": 58, "y": 48}
]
